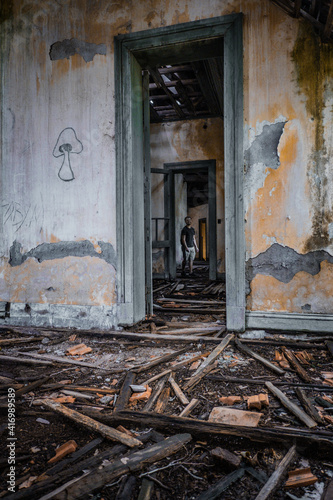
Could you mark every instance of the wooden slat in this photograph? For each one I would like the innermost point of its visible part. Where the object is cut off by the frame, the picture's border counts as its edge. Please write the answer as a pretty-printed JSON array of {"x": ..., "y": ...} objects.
[
  {"x": 89, "y": 423},
  {"x": 161, "y": 84},
  {"x": 298, "y": 412}
]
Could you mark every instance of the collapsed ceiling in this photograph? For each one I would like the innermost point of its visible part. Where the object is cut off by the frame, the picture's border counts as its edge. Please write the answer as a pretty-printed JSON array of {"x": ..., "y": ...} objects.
[
  {"x": 186, "y": 91},
  {"x": 318, "y": 12}
]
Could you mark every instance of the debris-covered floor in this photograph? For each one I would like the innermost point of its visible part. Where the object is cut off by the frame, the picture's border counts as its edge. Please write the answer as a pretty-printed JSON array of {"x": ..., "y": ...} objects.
[{"x": 172, "y": 408}]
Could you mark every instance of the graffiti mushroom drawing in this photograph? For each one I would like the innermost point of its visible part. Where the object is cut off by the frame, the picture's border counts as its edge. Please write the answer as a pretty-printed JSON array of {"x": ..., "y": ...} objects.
[{"x": 67, "y": 144}]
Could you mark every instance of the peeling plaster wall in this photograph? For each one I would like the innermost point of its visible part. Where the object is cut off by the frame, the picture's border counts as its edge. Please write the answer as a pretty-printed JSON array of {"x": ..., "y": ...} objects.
[
  {"x": 188, "y": 141},
  {"x": 52, "y": 195}
]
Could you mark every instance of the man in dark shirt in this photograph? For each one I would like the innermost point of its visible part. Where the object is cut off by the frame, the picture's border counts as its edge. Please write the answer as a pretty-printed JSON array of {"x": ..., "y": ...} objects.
[{"x": 189, "y": 245}]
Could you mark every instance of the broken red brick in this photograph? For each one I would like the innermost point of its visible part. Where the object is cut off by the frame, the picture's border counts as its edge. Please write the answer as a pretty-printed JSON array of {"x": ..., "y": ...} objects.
[
  {"x": 234, "y": 417},
  {"x": 78, "y": 349},
  {"x": 141, "y": 396},
  {"x": 258, "y": 401},
  {"x": 230, "y": 400},
  {"x": 63, "y": 450},
  {"x": 300, "y": 477}
]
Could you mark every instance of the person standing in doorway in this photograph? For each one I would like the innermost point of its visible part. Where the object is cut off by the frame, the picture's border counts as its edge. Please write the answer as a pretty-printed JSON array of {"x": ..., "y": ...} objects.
[{"x": 189, "y": 245}]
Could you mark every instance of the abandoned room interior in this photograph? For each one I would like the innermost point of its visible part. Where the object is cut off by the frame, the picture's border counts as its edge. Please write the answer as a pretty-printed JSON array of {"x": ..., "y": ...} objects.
[{"x": 123, "y": 375}]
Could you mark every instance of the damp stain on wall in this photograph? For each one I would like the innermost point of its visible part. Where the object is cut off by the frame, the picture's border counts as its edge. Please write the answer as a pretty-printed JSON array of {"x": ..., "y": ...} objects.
[
  {"x": 69, "y": 47},
  {"x": 283, "y": 263},
  {"x": 313, "y": 61},
  {"x": 62, "y": 249}
]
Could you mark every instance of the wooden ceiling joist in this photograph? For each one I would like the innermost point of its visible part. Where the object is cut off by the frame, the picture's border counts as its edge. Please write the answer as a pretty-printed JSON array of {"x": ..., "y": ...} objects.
[{"x": 329, "y": 21}]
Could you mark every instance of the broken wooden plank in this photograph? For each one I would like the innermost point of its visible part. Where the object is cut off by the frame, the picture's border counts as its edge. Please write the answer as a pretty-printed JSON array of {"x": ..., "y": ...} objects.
[
  {"x": 329, "y": 346},
  {"x": 58, "y": 359},
  {"x": 298, "y": 412},
  {"x": 176, "y": 367},
  {"x": 24, "y": 360},
  {"x": 162, "y": 401},
  {"x": 178, "y": 392},
  {"x": 162, "y": 359},
  {"x": 215, "y": 353},
  {"x": 200, "y": 427},
  {"x": 91, "y": 424},
  {"x": 193, "y": 381},
  {"x": 308, "y": 406},
  {"x": 15, "y": 341},
  {"x": 217, "y": 489},
  {"x": 131, "y": 463},
  {"x": 125, "y": 392},
  {"x": 156, "y": 392},
  {"x": 193, "y": 404},
  {"x": 31, "y": 386},
  {"x": 296, "y": 365},
  {"x": 275, "y": 478},
  {"x": 237, "y": 380},
  {"x": 259, "y": 358}
]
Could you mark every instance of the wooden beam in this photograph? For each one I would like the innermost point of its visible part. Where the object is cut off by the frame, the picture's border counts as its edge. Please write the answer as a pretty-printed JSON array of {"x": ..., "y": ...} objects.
[
  {"x": 298, "y": 412},
  {"x": 89, "y": 423},
  {"x": 259, "y": 358},
  {"x": 275, "y": 478},
  {"x": 161, "y": 84},
  {"x": 198, "y": 427},
  {"x": 297, "y": 7},
  {"x": 329, "y": 21},
  {"x": 135, "y": 461}
]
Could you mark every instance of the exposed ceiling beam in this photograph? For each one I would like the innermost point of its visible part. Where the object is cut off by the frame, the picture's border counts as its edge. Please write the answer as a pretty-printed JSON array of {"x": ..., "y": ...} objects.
[
  {"x": 172, "y": 83},
  {"x": 329, "y": 21},
  {"x": 206, "y": 87},
  {"x": 154, "y": 116},
  {"x": 184, "y": 96},
  {"x": 161, "y": 84},
  {"x": 176, "y": 96},
  {"x": 174, "y": 69},
  {"x": 297, "y": 8}
]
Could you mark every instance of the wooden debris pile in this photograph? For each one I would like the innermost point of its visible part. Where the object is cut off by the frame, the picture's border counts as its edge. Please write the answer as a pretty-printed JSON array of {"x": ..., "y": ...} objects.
[{"x": 179, "y": 414}]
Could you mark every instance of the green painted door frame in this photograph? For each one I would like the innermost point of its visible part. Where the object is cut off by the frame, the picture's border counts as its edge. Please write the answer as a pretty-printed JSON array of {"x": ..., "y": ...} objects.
[{"x": 167, "y": 45}]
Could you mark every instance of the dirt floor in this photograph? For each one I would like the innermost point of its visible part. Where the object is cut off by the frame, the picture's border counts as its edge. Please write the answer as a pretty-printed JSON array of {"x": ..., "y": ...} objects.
[{"x": 115, "y": 470}]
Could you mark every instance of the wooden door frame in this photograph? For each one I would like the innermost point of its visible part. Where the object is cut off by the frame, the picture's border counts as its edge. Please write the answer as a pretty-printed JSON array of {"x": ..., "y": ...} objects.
[
  {"x": 131, "y": 52},
  {"x": 201, "y": 252},
  {"x": 187, "y": 167}
]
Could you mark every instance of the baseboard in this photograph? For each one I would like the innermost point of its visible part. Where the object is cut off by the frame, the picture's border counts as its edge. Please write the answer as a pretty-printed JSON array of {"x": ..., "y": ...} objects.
[
  {"x": 289, "y": 321},
  {"x": 61, "y": 316}
]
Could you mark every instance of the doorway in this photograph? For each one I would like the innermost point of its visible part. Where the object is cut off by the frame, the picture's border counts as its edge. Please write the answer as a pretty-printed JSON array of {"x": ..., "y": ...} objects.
[
  {"x": 179, "y": 198},
  {"x": 136, "y": 52}
]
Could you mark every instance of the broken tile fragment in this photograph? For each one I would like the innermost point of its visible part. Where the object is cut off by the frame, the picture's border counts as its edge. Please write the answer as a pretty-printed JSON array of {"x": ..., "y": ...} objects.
[
  {"x": 226, "y": 457},
  {"x": 230, "y": 400},
  {"x": 234, "y": 417},
  {"x": 78, "y": 350},
  {"x": 300, "y": 477},
  {"x": 63, "y": 450}
]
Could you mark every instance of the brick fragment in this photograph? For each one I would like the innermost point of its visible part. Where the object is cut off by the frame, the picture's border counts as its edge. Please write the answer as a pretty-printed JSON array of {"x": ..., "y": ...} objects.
[
  {"x": 141, "y": 396},
  {"x": 78, "y": 350},
  {"x": 300, "y": 477},
  {"x": 230, "y": 400},
  {"x": 63, "y": 450},
  {"x": 226, "y": 457}
]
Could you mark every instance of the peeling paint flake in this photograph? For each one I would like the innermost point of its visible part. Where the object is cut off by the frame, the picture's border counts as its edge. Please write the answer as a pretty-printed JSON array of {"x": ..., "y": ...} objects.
[{"x": 69, "y": 47}]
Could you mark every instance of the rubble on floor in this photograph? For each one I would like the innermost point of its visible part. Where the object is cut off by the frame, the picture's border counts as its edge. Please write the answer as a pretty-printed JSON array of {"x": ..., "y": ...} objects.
[{"x": 172, "y": 408}]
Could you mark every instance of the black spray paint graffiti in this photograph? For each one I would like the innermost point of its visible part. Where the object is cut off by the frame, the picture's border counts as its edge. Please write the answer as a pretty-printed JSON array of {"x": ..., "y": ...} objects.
[{"x": 67, "y": 144}]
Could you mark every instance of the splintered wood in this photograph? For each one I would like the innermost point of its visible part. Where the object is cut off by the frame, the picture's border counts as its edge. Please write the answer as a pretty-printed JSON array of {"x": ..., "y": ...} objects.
[{"x": 220, "y": 405}]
